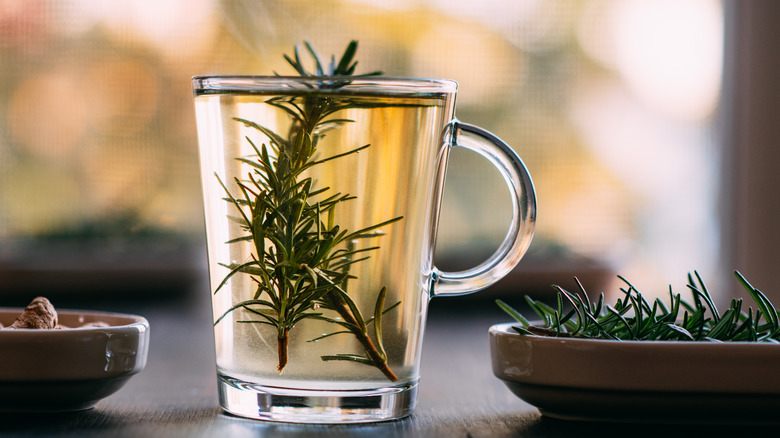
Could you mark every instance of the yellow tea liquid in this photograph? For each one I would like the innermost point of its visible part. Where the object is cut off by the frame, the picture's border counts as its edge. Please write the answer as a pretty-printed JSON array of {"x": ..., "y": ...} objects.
[{"x": 398, "y": 175}]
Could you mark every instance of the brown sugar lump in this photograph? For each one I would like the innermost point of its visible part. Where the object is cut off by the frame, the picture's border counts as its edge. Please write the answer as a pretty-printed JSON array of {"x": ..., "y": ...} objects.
[{"x": 39, "y": 314}]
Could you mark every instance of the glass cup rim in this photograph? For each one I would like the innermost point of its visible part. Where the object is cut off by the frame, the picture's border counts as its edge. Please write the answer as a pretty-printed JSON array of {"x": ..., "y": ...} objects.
[{"x": 368, "y": 84}]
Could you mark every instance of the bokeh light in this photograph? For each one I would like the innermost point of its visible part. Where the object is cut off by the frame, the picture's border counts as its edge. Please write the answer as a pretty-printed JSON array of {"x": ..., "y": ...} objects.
[
  {"x": 610, "y": 103},
  {"x": 670, "y": 53}
]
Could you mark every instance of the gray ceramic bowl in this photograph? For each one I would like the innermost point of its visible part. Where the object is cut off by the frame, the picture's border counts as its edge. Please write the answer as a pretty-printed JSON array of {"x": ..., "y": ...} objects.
[
  {"x": 630, "y": 381},
  {"x": 69, "y": 369}
]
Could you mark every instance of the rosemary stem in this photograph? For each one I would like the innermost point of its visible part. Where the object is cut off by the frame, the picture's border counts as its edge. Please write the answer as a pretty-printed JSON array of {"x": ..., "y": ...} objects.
[
  {"x": 368, "y": 345},
  {"x": 379, "y": 361},
  {"x": 282, "y": 340}
]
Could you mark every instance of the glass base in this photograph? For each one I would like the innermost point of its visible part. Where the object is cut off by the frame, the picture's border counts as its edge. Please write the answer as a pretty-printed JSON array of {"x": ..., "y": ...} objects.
[{"x": 253, "y": 400}]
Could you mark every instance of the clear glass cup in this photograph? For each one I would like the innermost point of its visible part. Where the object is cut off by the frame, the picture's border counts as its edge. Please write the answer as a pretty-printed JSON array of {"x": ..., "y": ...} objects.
[{"x": 321, "y": 200}]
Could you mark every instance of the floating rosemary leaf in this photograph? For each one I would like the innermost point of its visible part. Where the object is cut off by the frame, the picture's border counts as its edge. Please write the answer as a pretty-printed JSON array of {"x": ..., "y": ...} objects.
[
  {"x": 301, "y": 256},
  {"x": 632, "y": 317}
]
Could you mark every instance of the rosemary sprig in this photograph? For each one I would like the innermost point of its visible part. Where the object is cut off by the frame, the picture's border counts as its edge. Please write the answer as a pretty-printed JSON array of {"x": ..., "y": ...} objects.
[
  {"x": 301, "y": 258},
  {"x": 632, "y": 317}
]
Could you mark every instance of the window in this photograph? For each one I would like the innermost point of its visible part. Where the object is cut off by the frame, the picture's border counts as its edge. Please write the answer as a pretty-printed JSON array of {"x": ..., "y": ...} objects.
[{"x": 611, "y": 103}]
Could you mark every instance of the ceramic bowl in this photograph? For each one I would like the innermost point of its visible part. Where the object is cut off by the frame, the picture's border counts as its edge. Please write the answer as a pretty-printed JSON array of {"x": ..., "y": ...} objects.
[
  {"x": 630, "y": 381},
  {"x": 69, "y": 369}
]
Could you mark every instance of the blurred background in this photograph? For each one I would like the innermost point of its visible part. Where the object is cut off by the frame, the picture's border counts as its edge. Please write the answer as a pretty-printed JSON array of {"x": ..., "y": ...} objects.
[{"x": 617, "y": 108}]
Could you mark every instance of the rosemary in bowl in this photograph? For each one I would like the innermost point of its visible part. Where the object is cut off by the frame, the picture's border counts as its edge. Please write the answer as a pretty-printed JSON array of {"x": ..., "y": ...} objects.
[{"x": 633, "y": 317}]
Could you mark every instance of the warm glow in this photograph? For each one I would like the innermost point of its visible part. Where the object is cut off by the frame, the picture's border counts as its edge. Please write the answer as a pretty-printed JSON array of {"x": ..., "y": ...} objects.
[
  {"x": 388, "y": 4},
  {"x": 610, "y": 103},
  {"x": 670, "y": 53},
  {"x": 40, "y": 197},
  {"x": 498, "y": 13},
  {"x": 118, "y": 185},
  {"x": 121, "y": 94},
  {"x": 47, "y": 115},
  {"x": 176, "y": 27},
  {"x": 487, "y": 68}
]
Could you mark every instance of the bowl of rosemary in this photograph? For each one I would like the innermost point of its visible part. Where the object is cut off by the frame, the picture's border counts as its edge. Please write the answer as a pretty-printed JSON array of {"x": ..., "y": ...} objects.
[{"x": 642, "y": 360}]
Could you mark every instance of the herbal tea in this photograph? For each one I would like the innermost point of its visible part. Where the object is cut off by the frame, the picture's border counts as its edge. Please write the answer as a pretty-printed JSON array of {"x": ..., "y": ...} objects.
[
  {"x": 321, "y": 274},
  {"x": 321, "y": 196}
]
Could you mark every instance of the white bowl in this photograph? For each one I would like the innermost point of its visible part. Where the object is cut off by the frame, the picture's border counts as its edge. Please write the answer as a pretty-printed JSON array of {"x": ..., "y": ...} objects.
[
  {"x": 669, "y": 381},
  {"x": 69, "y": 369}
]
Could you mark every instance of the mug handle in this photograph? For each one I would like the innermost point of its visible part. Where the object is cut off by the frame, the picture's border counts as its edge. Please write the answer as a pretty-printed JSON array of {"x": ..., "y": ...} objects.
[{"x": 521, "y": 228}]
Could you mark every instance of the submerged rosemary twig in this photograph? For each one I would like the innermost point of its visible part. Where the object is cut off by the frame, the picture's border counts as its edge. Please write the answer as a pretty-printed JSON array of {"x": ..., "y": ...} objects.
[
  {"x": 301, "y": 258},
  {"x": 632, "y": 317}
]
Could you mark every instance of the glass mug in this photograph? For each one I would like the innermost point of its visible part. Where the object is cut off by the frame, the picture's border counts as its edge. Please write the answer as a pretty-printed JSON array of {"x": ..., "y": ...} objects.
[{"x": 321, "y": 200}]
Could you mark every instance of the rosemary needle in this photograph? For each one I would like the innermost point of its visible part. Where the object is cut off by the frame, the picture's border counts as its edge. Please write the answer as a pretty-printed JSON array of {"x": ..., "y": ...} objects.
[
  {"x": 632, "y": 317},
  {"x": 301, "y": 257}
]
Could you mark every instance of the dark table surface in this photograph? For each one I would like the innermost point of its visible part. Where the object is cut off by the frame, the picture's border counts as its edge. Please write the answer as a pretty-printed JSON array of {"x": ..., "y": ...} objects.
[{"x": 175, "y": 395}]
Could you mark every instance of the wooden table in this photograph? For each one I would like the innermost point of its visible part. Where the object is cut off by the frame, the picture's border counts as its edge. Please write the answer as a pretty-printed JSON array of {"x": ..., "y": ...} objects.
[{"x": 175, "y": 396}]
